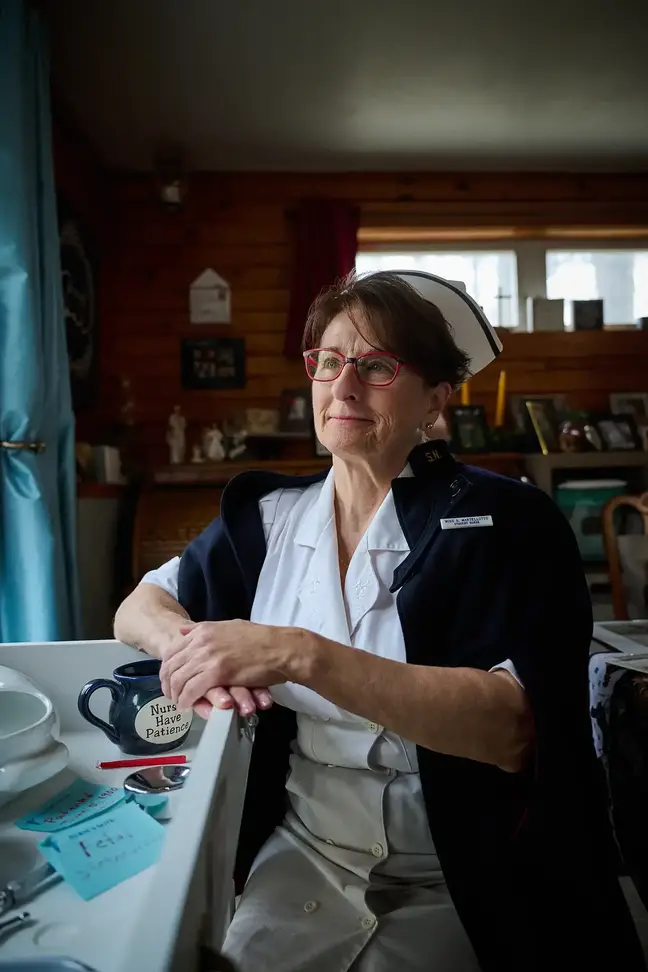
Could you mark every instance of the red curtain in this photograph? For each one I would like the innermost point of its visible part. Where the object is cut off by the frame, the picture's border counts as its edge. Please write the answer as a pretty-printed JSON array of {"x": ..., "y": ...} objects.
[{"x": 325, "y": 247}]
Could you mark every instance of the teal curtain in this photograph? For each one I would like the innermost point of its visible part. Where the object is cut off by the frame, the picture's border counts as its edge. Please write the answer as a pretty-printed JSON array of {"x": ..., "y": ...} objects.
[{"x": 39, "y": 598}]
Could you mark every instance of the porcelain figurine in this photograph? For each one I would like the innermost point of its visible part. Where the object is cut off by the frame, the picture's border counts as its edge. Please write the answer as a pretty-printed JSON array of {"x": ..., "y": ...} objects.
[
  {"x": 213, "y": 444},
  {"x": 176, "y": 436}
]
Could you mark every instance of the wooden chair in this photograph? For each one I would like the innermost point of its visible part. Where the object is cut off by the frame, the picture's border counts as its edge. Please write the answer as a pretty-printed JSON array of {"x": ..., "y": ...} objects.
[
  {"x": 166, "y": 519},
  {"x": 611, "y": 541}
]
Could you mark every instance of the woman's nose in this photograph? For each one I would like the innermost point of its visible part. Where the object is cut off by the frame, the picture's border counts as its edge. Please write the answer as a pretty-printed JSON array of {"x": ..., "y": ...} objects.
[{"x": 346, "y": 385}]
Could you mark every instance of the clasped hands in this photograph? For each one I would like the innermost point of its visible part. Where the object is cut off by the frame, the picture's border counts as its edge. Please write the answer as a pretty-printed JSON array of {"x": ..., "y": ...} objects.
[{"x": 228, "y": 664}]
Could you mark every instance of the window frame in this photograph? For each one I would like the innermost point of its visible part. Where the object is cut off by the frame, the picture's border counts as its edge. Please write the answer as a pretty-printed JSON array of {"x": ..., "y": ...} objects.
[{"x": 531, "y": 257}]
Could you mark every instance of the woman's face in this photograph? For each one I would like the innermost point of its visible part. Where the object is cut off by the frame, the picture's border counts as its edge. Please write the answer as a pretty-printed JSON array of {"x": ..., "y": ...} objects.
[{"x": 356, "y": 420}]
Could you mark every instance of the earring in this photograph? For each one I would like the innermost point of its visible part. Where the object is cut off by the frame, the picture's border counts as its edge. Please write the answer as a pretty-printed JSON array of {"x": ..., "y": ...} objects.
[{"x": 429, "y": 425}]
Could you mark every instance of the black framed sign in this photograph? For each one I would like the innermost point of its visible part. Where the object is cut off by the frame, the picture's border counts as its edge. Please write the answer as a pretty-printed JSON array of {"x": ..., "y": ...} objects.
[
  {"x": 217, "y": 363},
  {"x": 468, "y": 428}
]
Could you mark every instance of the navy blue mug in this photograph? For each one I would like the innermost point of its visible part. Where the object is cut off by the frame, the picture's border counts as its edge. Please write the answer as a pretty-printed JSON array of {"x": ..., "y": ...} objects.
[{"x": 141, "y": 719}]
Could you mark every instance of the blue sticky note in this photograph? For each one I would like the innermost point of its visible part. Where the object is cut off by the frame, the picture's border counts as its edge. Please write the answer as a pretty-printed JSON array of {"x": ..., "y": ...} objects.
[
  {"x": 100, "y": 853},
  {"x": 79, "y": 801}
]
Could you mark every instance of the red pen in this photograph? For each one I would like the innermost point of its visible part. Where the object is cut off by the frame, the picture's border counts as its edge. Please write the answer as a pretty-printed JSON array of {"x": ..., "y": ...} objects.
[{"x": 141, "y": 761}]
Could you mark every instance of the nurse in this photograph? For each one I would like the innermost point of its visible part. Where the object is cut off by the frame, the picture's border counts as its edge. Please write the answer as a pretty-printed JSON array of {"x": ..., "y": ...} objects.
[{"x": 423, "y": 791}]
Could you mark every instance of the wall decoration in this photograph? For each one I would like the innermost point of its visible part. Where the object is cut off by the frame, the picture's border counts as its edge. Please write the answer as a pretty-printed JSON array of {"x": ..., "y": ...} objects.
[
  {"x": 79, "y": 283},
  {"x": 296, "y": 411},
  {"x": 468, "y": 428},
  {"x": 217, "y": 363},
  {"x": 210, "y": 299}
]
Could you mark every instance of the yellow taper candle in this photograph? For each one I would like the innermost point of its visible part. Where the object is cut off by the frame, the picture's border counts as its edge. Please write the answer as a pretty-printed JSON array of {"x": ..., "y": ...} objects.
[
  {"x": 465, "y": 394},
  {"x": 501, "y": 400}
]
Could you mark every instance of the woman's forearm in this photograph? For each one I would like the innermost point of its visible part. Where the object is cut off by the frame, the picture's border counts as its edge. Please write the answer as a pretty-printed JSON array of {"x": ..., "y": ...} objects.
[
  {"x": 457, "y": 711},
  {"x": 149, "y": 619}
]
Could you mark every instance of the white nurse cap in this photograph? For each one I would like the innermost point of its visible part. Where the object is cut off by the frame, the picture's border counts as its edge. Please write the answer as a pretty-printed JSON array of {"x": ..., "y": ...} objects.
[{"x": 472, "y": 332}]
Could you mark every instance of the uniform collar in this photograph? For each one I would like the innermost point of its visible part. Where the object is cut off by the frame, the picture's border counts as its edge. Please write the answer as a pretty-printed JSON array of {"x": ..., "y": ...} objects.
[{"x": 384, "y": 532}]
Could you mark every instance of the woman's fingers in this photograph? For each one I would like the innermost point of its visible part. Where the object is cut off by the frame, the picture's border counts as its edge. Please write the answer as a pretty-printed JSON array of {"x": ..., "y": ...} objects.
[
  {"x": 220, "y": 698},
  {"x": 204, "y": 708},
  {"x": 262, "y": 698},
  {"x": 243, "y": 699}
]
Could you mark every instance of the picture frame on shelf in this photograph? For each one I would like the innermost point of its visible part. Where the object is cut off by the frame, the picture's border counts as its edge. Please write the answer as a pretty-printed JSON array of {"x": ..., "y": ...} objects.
[
  {"x": 619, "y": 432},
  {"x": 296, "y": 411},
  {"x": 213, "y": 363},
  {"x": 545, "y": 423},
  {"x": 631, "y": 403},
  {"x": 520, "y": 412},
  {"x": 469, "y": 430}
]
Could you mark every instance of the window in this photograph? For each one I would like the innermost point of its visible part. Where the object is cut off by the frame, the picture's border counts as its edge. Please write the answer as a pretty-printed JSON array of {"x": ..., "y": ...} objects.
[
  {"x": 618, "y": 277},
  {"x": 490, "y": 276},
  {"x": 502, "y": 276}
]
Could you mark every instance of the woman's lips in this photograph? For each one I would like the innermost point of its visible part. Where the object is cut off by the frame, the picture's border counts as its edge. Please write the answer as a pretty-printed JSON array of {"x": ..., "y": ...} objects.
[{"x": 347, "y": 418}]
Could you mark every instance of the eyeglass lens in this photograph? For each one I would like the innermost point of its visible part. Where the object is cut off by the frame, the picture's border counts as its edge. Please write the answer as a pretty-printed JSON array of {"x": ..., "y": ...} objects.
[{"x": 374, "y": 369}]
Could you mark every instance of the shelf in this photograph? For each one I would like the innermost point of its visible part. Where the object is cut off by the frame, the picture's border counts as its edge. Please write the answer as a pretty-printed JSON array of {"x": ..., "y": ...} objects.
[{"x": 575, "y": 460}]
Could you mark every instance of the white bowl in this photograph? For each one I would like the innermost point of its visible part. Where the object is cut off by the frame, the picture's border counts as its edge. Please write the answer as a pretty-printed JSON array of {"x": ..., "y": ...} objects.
[{"x": 30, "y": 750}]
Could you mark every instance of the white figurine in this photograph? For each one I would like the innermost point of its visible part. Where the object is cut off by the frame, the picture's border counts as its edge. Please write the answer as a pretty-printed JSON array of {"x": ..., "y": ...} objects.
[
  {"x": 176, "y": 436},
  {"x": 213, "y": 444},
  {"x": 196, "y": 454}
]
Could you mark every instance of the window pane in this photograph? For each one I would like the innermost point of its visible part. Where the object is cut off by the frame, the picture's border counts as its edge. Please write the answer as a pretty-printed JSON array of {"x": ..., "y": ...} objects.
[
  {"x": 490, "y": 276},
  {"x": 617, "y": 277}
]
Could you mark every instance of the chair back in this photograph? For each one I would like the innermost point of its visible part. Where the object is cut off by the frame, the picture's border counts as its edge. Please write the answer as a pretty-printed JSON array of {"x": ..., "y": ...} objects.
[{"x": 614, "y": 543}]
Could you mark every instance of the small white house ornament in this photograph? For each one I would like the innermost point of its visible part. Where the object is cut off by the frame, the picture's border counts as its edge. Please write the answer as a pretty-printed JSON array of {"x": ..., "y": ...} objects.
[{"x": 210, "y": 299}]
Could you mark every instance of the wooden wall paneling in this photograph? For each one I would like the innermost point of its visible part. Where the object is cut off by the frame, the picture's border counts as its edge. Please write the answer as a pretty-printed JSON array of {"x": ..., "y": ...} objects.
[{"x": 239, "y": 224}]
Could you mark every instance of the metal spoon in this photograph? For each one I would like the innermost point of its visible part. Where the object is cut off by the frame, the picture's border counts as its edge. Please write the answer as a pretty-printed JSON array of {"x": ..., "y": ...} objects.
[{"x": 18, "y": 919}]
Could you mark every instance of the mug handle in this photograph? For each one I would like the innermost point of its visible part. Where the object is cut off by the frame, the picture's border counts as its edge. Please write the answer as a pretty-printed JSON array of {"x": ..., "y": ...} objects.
[{"x": 83, "y": 704}]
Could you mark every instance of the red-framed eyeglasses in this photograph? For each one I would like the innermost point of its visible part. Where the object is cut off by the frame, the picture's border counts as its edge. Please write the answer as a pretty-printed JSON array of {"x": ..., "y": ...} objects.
[{"x": 377, "y": 368}]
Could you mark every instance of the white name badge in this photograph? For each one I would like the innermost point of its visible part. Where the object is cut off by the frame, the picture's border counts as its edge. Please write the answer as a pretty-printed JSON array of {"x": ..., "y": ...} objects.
[{"x": 462, "y": 522}]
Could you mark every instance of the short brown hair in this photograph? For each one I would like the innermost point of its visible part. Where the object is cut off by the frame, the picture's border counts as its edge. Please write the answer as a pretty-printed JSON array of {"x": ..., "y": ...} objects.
[{"x": 402, "y": 321}]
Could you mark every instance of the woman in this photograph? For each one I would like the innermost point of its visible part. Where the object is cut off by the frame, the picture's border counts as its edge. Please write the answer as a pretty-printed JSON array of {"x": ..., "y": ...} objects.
[{"x": 423, "y": 793}]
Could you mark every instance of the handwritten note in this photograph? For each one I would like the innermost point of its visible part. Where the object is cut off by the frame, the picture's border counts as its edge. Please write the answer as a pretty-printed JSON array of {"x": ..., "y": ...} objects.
[
  {"x": 101, "y": 853},
  {"x": 80, "y": 801}
]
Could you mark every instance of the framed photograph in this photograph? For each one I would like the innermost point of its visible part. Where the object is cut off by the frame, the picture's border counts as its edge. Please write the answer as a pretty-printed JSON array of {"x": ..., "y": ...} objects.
[
  {"x": 468, "y": 428},
  {"x": 296, "y": 411},
  {"x": 217, "y": 363},
  {"x": 545, "y": 425},
  {"x": 520, "y": 413},
  {"x": 630, "y": 403},
  {"x": 619, "y": 432}
]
